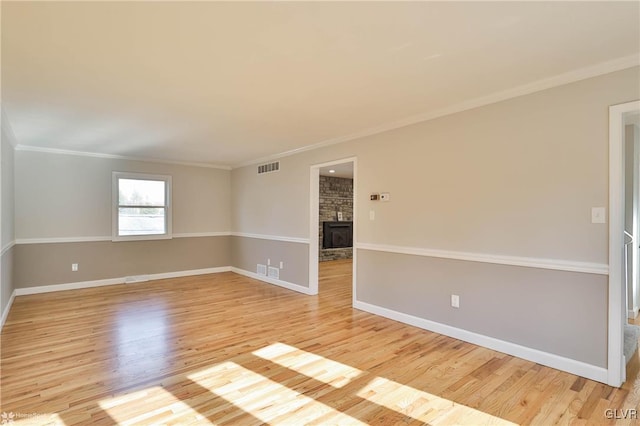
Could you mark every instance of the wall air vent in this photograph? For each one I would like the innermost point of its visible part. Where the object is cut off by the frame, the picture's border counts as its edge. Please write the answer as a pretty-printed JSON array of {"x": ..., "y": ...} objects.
[{"x": 268, "y": 168}]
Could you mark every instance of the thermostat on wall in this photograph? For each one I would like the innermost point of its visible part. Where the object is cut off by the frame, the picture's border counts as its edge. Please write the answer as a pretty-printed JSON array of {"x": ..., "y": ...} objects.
[{"x": 374, "y": 197}]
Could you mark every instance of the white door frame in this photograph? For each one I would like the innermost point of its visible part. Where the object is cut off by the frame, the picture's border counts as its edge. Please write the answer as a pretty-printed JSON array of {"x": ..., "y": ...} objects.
[
  {"x": 314, "y": 219},
  {"x": 616, "y": 367},
  {"x": 633, "y": 306}
]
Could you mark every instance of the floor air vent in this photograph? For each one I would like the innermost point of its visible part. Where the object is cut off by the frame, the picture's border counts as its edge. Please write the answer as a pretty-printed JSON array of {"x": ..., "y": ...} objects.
[
  {"x": 261, "y": 269},
  {"x": 268, "y": 168},
  {"x": 274, "y": 272}
]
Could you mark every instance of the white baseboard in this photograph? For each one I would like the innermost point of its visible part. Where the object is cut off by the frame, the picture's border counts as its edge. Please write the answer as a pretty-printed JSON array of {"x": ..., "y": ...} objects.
[
  {"x": 113, "y": 281},
  {"x": 190, "y": 273},
  {"x": 5, "y": 313},
  {"x": 285, "y": 284},
  {"x": 632, "y": 313},
  {"x": 550, "y": 360}
]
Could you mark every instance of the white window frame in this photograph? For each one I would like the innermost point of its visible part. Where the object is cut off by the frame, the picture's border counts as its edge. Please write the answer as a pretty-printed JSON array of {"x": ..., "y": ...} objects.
[{"x": 115, "y": 203}]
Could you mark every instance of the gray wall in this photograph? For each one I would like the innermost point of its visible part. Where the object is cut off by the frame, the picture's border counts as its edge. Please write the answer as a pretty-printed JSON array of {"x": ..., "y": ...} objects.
[
  {"x": 69, "y": 197},
  {"x": 528, "y": 306},
  {"x": 6, "y": 217},
  {"x": 518, "y": 177},
  {"x": 50, "y": 263},
  {"x": 247, "y": 252},
  {"x": 515, "y": 178}
]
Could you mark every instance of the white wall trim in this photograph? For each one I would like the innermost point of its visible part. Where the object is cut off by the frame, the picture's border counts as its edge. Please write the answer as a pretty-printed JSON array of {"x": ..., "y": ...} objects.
[
  {"x": 271, "y": 237},
  {"x": 269, "y": 280},
  {"x": 536, "y": 86},
  {"x": 550, "y": 360},
  {"x": 314, "y": 219},
  {"x": 113, "y": 281},
  {"x": 529, "y": 262},
  {"x": 109, "y": 238},
  {"x": 202, "y": 234},
  {"x": 61, "y": 240},
  {"x": 56, "y": 151},
  {"x": 7, "y": 247},
  {"x": 5, "y": 313}
]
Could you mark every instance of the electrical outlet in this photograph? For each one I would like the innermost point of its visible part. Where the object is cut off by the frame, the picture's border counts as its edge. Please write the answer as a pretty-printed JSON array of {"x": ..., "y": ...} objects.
[
  {"x": 74, "y": 267},
  {"x": 455, "y": 301},
  {"x": 268, "y": 262},
  {"x": 281, "y": 265}
]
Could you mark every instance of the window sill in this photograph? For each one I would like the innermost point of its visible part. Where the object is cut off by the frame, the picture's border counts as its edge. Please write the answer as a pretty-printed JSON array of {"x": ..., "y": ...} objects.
[{"x": 141, "y": 238}]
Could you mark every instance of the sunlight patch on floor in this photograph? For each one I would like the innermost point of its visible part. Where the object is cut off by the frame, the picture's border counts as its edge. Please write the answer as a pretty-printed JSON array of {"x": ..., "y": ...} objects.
[
  {"x": 311, "y": 365},
  {"x": 264, "y": 399},
  {"x": 424, "y": 406},
  {"x": 229, "y": 393},
  {"x": 128, "y": 409}
]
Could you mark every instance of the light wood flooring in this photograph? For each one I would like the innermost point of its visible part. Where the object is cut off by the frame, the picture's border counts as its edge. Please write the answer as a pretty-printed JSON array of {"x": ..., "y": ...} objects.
[{"x": 226, "y": 349}]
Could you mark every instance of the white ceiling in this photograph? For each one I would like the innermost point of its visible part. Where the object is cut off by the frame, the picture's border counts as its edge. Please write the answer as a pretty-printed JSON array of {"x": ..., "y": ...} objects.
[{"x": 231, "y": 82}]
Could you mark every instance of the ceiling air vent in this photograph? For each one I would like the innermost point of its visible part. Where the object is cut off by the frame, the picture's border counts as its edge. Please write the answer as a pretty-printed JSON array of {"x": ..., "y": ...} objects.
[{"x": 268, "y": 168}]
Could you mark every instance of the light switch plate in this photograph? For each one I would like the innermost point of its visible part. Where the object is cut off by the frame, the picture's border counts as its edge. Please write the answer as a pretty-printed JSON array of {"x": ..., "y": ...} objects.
[
  {"x": 598, "y": 215},
  {"x": 372, "y": 215}
]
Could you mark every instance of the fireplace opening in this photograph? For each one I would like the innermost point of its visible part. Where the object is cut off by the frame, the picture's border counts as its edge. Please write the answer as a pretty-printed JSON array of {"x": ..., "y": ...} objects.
[{"x": 337, "y": 234}]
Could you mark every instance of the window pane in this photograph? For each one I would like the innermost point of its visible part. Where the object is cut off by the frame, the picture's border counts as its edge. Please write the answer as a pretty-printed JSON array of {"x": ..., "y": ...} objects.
[
  {"x": 136, "y": 192},
  {"x": 141, "y": 221}
]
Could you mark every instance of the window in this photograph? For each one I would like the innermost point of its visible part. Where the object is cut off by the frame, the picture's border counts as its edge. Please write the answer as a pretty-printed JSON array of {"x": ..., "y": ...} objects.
[{"x": 141, "y": 206}]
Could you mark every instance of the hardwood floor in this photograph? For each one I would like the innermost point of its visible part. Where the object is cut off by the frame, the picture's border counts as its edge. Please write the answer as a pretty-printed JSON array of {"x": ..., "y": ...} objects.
[{"x": 226, "y": 349}]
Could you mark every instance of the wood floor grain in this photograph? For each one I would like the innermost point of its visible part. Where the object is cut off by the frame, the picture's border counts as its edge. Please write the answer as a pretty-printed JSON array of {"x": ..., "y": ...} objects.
[{"x": 226, "y": 349}]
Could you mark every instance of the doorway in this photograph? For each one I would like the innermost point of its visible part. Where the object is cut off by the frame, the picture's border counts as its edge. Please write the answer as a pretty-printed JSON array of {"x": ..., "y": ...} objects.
[
  {"x": 332, "y": 222},
  {"x": 618, "y": 310},
  {"x": 631, "y": 212}
]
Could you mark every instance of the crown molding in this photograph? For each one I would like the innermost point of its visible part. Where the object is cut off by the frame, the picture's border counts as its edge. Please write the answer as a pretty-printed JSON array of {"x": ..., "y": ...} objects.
[
  {"x": 30, "y": 148},
  {"x": 536, "y": 86}
]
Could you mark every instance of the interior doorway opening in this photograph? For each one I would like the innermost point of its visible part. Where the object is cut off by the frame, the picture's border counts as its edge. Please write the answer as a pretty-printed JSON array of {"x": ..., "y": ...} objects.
[
  {"x": 333, "y": 220},
  {"x": 619, "y": 256}
]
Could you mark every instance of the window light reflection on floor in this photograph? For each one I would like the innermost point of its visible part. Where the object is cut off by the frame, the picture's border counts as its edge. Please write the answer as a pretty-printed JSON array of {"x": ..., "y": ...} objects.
[
  {"x": 424, "y": 406},
  {"x": 311, "y": 365},
  {"x": 268, "y": 401},
  {"x": 129, "y": 409},
  {"x": 242, "y": 392},
  {"x": 395, "y": 396}
]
